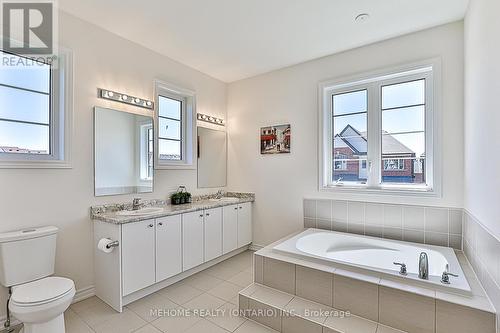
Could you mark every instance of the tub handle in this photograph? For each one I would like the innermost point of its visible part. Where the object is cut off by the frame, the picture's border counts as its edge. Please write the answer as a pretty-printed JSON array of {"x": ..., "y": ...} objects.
[
  {"x": 402, "y": 270},
  {"x": 445, "y": 278}
]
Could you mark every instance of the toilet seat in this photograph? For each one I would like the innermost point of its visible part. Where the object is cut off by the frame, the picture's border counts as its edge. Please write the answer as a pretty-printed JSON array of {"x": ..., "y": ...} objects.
[{"x": 41, "y": 291}]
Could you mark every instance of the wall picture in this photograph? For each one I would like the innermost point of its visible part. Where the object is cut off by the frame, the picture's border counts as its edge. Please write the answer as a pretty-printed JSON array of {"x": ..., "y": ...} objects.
[{"x": 275, "y": 139}]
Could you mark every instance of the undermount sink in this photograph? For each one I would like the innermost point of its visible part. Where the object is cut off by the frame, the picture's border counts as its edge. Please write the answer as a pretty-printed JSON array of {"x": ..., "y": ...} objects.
[
  {"x": 225, "y": 199},
  {"x": 140, "y": 212}
]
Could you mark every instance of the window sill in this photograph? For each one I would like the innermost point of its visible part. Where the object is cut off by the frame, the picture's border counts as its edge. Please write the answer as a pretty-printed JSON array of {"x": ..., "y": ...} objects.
[
  {"x": 175, "y": 167},
  {"x": 39, "y": 164},
  {"x": 385, "y": 190}
]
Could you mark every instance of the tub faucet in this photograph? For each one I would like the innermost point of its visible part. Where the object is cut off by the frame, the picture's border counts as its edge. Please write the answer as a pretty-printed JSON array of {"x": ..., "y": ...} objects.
[{"x": 423, "y": 266}]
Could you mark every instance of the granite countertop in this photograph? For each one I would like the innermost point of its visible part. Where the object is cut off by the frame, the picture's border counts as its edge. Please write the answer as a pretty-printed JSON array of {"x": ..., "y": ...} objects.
[{"x": 107, "y": 213}]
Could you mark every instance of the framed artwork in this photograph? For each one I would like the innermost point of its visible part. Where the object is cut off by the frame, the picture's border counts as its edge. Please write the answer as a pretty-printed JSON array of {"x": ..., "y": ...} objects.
[{"x": 275, "y": 139}]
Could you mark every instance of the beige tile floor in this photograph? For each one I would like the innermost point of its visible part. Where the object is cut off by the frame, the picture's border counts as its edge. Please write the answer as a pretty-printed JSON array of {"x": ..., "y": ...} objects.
[{"x": 214, "y": 288}]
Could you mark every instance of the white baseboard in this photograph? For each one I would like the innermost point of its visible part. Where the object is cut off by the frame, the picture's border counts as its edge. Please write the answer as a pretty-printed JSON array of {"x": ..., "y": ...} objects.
[
  {"x": 255, "y": 247},
  {"x": 83, "y": 293}
]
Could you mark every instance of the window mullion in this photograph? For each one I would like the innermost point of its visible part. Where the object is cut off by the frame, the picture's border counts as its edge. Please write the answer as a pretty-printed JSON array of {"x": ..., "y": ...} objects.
[{"x": 374, "y": 139}]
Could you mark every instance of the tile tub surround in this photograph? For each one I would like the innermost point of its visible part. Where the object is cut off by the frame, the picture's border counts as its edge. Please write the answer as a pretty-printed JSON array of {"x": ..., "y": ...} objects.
[
  {"x": 418, "y": 224},
  {"x": 288, "y": 313},
  {"x": 482, "y": 250},
  {"x": 385, "y": 301},
  {"x": 107, "y": 213}
]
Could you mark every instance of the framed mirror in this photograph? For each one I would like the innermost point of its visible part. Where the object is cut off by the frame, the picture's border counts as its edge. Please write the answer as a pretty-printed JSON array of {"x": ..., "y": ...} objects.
[
  {"x": 123, "y": 152},
  {"x": 212, "y": 157}
]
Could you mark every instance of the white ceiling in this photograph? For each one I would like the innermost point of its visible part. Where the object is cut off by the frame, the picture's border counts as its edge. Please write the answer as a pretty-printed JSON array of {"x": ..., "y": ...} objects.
[{"x": 234, "y": 39}]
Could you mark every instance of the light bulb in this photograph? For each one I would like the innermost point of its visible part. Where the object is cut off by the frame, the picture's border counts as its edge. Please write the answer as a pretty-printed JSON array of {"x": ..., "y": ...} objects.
[
  {"x": 110, "y": 93},
  {"x": 124, "y": 97},
  {"x": 148, "y": 103}
]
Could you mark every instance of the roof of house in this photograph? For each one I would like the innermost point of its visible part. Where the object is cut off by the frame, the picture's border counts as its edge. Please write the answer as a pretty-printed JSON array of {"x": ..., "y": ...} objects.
[{"x": 355, "y": 140}]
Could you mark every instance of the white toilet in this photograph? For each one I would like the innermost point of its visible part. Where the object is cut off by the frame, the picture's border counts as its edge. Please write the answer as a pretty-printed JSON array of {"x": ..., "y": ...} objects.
[{"x": 38, "y": 300}]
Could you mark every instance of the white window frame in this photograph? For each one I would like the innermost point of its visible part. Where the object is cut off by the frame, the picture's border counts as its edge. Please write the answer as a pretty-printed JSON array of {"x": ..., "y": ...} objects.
[
  {"x": 373, "y": 81},
  {"x": 188, "y": 126},
  {"x": 61, "y": 125}
]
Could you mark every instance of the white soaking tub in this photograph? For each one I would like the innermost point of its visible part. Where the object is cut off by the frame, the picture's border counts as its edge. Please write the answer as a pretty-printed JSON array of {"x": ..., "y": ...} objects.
[{"x": 378, "y": 255}]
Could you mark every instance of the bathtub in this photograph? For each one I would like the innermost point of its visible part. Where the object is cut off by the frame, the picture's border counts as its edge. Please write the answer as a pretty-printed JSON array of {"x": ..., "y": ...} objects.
[{"x": 377, "y": 255}]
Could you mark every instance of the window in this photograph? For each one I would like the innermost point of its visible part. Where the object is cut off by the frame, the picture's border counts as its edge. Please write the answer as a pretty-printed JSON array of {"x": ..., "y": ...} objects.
[
  {"x": 34, "y": 112},
  {"x": 174, "y": 118},
  {"x": 377, "y": 132},
  {"x": 146, "y": 141},
  {"x": 170, "y": 128},
  {"x": 403, "y": 132},
  {"x": 350, "y": 114}
]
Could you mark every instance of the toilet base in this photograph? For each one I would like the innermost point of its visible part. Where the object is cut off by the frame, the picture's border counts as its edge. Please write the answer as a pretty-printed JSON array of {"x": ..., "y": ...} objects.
[
  {"x": 55, "y": 325},
  {"x": 13, "y": 329}
]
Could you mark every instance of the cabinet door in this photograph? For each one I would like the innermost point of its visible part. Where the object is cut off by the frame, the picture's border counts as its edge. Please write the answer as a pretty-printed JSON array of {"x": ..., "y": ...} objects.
[
  {"x": 229, "y": 228},
  {"x": 138, "y": 255},
  {"x": 168, "y": 247},
  {"x": 213, "y": 233},
  {"x": 192, "y": 239},
  {"x": 244, "y": 224}
]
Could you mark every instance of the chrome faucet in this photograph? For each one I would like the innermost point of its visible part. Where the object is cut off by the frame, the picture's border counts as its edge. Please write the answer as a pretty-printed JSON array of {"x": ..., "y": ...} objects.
[
  {"x": 423, "y": 266},
  {"x": 136, "y": 204},
  {"x": 445, "y": 278},
  {"x": 220, "y": 194},
  {"x": 402, "y": 271}
]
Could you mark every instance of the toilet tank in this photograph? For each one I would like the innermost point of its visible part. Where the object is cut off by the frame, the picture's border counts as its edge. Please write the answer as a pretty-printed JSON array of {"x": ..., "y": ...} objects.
[{"x": 27, "y": 255}]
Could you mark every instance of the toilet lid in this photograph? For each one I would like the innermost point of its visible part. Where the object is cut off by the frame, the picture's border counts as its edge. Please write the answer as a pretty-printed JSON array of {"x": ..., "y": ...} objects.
[{"x": 41, "y": 291}]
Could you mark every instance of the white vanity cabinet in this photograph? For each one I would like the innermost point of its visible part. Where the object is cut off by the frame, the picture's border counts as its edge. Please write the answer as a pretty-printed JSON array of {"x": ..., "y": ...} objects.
[
  {"x": 154, "y": 253},
  {"x": 201, "y": 237},
  {"x": 229, "y": 228},
  {"x": 192, "y": 239},
  {"x": 244, "y": 224},
  {"x": 213, "y": 233},
  {"x": 138, "y": 255},
  {"x": 168, "y": 247},
  {"x": 236, "y": 226}
]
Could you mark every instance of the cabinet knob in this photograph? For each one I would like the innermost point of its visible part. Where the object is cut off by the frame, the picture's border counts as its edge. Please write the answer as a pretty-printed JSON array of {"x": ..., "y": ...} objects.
[
  {"x": 160, "y": 223},
  {"x": 151, "y": 225},
  {"x": 201, "y": 215},
  {"x": 235, "y": 208},
  {"x": 208, "y": 214},
  {"x": 241, "y": 207}
]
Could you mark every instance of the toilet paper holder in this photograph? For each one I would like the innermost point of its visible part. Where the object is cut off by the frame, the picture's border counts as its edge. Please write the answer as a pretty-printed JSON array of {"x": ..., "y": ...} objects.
[{"x": 112, "y": 244}]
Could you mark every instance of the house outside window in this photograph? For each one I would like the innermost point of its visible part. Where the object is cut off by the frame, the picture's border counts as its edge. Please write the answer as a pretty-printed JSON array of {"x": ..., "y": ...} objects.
[
  {"x": 175, "y": 120},
  {"x": 392, "y": 164},
  {"x": 379, "y": 131},
  {"x": 35, "y": 112},
  {"x": 340, "y": 162}
]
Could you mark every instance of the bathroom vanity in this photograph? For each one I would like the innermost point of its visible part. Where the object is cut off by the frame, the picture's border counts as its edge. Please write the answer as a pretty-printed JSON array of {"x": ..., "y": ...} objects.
[{"x": 166, "y": 244}]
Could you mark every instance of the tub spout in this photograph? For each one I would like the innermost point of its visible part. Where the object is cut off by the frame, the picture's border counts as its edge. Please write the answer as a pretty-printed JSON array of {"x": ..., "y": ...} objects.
[{"x": 423, "y": 266}]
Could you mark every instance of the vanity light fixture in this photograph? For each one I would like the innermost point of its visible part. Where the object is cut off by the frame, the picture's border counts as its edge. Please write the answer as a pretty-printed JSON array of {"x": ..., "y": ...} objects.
[
  {"x": 210, "y": 119},
  {"x": 124, "y": 98}
]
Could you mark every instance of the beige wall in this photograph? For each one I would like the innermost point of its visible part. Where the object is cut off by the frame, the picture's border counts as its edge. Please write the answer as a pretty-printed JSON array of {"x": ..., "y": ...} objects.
[
  {"x": 62, "y": 197},
  {"x": 290, "y": 96},
  {"x": 482, "y": 113}
]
